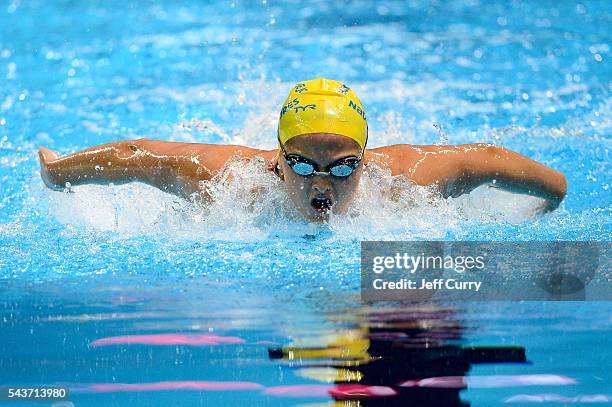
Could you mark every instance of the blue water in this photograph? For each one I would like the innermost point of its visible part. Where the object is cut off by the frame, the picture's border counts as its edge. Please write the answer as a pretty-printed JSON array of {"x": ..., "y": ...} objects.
[{"x": 129, "y": 260}]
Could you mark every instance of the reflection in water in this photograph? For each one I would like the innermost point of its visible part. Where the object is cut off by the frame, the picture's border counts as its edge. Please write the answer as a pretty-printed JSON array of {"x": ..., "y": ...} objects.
[
  {"x": 168, "y": 339},
  {"x": 398, "y": 357}
]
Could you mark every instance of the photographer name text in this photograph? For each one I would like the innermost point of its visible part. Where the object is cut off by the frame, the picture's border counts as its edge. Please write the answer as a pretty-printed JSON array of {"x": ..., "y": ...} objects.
[
  {"x": 424, "y": 284},
  {"x": 410, "y": 264}
]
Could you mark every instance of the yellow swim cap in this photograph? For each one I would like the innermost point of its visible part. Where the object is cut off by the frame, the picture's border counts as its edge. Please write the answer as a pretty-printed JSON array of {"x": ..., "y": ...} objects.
[{"x": 323, "y": 106}]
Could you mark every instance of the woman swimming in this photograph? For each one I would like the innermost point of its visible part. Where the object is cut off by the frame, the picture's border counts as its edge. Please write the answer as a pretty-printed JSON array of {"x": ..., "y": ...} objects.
[{"x": 322, "y": 135}]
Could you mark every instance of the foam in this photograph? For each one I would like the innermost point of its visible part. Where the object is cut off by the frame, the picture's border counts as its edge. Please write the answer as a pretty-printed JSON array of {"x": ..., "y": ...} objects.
[{"x": 250, "y": 203}]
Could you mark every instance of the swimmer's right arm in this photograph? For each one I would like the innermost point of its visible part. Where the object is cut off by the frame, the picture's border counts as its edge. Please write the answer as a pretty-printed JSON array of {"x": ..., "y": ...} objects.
[{"x": 172, "y": 167}]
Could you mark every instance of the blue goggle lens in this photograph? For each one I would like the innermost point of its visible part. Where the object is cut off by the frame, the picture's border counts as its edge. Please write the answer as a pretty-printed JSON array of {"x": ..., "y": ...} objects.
[
  {"x": 303, "y": 169},
  {"x": 341, "y": 170}
]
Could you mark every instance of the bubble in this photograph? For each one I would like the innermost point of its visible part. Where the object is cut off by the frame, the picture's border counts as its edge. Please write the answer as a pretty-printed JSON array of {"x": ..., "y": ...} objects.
[
  {"x": 443, "y": 139},
  {"x": 11, "y": 71},
  {"x": 12, "y": 7},
  {"x": 382, "y": 10}
]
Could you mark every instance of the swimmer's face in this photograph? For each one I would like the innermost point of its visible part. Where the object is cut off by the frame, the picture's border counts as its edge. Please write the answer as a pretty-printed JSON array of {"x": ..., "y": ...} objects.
[{"x": 317, "y": 195}]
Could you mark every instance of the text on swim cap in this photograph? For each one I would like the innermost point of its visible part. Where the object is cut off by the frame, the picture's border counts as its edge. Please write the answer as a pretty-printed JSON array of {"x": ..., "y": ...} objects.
[
  {"x": 289, "y": 105},
  {"x": 313, "y": 107},
  {"x": 357, "y": 109},
  {"x": 293, "y": 105}
]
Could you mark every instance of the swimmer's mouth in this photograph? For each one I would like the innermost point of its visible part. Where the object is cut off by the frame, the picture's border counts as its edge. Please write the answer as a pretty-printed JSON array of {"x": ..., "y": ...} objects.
[{"x": 321, "y": 204}]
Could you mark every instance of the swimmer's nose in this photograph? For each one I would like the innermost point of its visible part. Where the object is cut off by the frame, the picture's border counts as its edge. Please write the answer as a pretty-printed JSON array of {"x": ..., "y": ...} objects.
[{"x": 321, "y": 186}]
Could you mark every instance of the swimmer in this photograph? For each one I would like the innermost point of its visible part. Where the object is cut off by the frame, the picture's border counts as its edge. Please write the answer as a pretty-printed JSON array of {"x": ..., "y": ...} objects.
[{"x": 322, "y": 137}]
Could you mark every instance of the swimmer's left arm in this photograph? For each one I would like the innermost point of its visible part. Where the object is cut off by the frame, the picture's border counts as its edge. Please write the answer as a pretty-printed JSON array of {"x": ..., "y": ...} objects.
[{"x": 459, "y": 169}]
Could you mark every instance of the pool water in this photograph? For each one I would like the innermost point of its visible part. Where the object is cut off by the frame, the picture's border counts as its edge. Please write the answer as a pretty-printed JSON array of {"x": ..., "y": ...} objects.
[{"x": 129, "y": 296}]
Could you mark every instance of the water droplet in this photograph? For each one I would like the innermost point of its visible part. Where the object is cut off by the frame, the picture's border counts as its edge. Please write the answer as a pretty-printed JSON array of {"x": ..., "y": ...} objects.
[
  {"x": 12, "y": 7},
  {"x": 11, "y": 70},
  {"x": 443, "y": 139},
  {"x": 382, "y": 10}
]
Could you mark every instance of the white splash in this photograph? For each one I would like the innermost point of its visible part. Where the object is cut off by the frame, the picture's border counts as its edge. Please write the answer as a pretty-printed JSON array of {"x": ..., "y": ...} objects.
[{"x": 251, "y": 203}]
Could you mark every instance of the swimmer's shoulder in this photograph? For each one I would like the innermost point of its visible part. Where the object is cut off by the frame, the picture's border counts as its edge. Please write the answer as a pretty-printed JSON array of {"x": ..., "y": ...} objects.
[
  {"x": 428, "y": 163},
  {"x": 399, "y": 158},
  {"x": 216, "y": 156},
  {"x": 228, "y": 150}
]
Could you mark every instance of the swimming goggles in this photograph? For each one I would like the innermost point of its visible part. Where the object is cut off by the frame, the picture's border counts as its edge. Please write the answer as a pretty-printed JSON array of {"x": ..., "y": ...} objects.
[{"x": 304, "y": 167}]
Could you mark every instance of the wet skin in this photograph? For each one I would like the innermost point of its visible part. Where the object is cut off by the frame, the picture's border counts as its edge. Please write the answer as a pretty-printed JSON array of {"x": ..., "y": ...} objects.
[{"x": 179, "y": 168}]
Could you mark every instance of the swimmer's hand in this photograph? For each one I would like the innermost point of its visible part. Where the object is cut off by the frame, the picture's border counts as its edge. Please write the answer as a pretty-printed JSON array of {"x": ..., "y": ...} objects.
[
  {"x": 546, "y": 207},
  {"x": 46, "y": 156}
]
